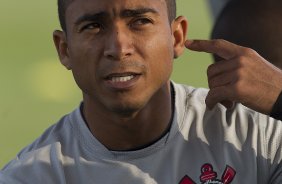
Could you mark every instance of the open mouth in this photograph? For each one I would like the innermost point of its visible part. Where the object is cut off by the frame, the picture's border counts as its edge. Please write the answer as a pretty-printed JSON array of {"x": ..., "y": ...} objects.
[
  {"x": 122, "y": 81},
  {"x": 121, "y": 78}
]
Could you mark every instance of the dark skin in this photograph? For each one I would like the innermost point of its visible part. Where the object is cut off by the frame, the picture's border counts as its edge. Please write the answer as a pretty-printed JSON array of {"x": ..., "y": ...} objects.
[
  {"x": 241, "y": 76},
  {"x": 122, "y": 64}
]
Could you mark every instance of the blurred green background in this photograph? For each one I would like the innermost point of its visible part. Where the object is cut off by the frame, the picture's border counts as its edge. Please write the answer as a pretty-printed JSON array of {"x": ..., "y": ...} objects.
[{"x": 36, "y": 90}]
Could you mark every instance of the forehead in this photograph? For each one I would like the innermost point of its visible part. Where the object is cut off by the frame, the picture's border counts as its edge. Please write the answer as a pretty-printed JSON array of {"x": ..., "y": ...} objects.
[{"x": 114, "y": 7}]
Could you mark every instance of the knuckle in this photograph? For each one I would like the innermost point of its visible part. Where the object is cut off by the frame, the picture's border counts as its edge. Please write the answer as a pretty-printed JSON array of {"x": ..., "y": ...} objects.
[
  {"x": 248, "y": 51},
  {"x": 216, "y": 42},
  {"x": 210, "y": 70},
  {"x": 238, "y": 88},
  {"x": 221, "y": 40},
  {"x": 240, "y": 73},
  {"x": 241, "y": 61}
]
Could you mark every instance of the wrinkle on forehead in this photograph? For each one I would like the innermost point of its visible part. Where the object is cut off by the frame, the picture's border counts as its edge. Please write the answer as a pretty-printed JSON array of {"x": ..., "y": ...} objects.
[
  {"x": 113, "y": 7},
  {"x": 109, "y": 3}
]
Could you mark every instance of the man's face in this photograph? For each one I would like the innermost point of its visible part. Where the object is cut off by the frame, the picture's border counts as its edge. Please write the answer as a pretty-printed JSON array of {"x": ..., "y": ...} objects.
[{"x": 120, "y": 51}]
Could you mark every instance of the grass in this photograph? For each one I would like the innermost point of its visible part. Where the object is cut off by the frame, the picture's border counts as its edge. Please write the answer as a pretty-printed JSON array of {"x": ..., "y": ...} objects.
[{"x": 36, "y": 90}]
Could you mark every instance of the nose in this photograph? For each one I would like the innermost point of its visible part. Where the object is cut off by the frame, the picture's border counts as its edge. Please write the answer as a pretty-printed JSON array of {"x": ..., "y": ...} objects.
[{"x": 119, "y": 44}]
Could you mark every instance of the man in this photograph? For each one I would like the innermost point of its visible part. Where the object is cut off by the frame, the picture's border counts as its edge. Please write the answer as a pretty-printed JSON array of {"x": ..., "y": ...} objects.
[{"x": 135, "y": 125}]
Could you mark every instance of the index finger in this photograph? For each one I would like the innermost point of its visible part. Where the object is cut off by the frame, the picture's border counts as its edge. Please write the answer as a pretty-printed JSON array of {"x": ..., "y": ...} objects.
[{"x": 222, "y": 48}]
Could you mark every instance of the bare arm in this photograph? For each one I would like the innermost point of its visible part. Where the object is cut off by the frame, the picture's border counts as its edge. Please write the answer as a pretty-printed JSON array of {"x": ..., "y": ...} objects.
[{"x": 242, "y": 76}]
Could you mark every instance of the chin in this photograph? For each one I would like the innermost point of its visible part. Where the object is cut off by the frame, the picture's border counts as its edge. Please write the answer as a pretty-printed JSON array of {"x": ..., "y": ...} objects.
[{"x": 127, "y": 110}]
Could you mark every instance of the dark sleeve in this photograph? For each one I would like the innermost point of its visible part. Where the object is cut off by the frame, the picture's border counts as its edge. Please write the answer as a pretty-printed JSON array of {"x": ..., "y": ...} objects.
[{"x": 277, "y": 108}]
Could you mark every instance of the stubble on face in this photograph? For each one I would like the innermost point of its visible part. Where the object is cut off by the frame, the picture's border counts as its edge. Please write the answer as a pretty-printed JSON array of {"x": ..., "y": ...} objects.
[{"x": 150, "y": 57}]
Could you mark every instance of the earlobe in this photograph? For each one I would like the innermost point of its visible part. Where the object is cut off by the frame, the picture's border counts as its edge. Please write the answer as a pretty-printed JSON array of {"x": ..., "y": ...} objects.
[
  {"x": 60, "y": 42},
  {"x": 179, "y": 28}
]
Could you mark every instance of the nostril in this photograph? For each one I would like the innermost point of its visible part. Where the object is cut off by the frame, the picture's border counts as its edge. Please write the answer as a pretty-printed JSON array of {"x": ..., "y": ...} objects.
[
  {"x": 128, "y": 54},
  {"x": 118, "y": 53},
  {"x": 118, "y": 46}
]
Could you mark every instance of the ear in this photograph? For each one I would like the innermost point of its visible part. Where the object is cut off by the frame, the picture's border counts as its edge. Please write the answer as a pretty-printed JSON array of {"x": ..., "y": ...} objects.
[
  {"x": 179, "y": 30},
  {"x": 60, "y": 41}
]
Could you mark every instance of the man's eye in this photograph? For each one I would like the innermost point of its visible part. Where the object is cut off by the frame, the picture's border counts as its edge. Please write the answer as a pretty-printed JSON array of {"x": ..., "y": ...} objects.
[
  {"x": 96, "y": 27},
  {"x": 141, "y": 21}
]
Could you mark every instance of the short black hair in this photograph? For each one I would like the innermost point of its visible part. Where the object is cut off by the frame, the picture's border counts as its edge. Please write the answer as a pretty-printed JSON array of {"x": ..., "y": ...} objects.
[{"x": 63, "y": 5}]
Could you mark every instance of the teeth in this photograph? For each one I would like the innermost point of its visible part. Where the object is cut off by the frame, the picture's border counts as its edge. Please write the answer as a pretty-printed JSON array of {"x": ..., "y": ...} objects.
[{"x": 122, "y": 79}]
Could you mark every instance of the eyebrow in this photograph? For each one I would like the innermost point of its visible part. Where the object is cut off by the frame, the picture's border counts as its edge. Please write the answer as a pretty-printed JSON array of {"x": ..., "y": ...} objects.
[
  {"x": 90, "y": 17},
  {"x": 137, "y": 12},
  {"x": 125, "y": 14}
]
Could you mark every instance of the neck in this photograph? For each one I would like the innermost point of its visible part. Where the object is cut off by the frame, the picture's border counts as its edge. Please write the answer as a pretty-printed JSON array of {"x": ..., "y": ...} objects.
[{"x": 131, "y": 131}]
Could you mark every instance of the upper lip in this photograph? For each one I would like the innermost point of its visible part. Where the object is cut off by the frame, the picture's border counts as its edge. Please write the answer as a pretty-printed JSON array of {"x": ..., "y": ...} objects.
[{"x": 122, "y": 69}]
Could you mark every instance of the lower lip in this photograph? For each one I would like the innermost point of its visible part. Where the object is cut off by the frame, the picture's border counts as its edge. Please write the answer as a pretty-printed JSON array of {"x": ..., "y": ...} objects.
[{"x": 125, "y": 85}]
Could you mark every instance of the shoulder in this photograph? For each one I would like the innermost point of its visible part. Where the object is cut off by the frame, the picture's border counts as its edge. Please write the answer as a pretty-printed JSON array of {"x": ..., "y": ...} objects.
[
  {"x": 40, "y": 162},
  {"x": 190, "y": 100},
  {"x": 237, "y": 123},
  {"x": 41, "y": 150},
  {"x": 195, "y": 98},
  {"x": 55, "y": 133}
]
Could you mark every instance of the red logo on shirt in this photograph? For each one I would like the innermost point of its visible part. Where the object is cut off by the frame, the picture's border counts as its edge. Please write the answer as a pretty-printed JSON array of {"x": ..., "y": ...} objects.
[{"x": 209, "y": 176}]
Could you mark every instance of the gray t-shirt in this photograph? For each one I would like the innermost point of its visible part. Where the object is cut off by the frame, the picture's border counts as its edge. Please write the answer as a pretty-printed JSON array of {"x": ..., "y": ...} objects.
[{"x": 202, "y": 146}]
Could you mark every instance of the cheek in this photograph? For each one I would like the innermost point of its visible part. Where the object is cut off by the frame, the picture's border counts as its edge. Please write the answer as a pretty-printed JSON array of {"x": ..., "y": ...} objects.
[
  {"x": 84, "y": 66},
  {"x": 85, "y": 55},
  {"x": 160, "y": 56},
  {"x": 82, "y": 77}
]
